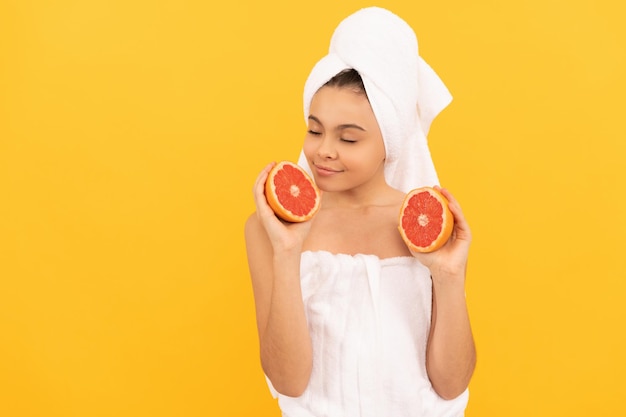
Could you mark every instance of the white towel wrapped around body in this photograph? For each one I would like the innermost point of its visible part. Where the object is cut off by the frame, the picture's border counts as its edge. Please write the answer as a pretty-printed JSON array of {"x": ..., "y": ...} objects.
[
  {"x": 403, "y": 90},
  {"x": 369, "y": 320}
]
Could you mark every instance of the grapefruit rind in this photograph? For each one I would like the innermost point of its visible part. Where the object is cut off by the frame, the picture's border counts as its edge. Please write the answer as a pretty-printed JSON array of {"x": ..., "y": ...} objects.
[
  {"x": 414, "y": 223},
  {"x": 290, "y": 193}
]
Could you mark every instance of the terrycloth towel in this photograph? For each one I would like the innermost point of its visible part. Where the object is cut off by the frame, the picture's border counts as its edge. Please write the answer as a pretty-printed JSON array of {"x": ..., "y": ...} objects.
[
  {"x": 403, "y": 90},
  {"x": 369, "y": 320}
]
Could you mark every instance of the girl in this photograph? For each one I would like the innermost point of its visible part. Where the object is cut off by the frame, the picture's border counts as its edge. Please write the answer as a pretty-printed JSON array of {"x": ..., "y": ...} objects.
[{"x": 350, "y": 322}]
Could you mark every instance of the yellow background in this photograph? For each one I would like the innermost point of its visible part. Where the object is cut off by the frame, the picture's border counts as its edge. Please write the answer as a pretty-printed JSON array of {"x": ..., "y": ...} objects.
[{"x": 131, "y": 133}]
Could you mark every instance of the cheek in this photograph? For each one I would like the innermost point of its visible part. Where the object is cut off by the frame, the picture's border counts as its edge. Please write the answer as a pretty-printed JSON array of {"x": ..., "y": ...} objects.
[
  {"x": 308, "y": 148},
  {"x": 367, "y": 161},
  {"x": 377, "y": 153},
  {"x": 374, "y": 159},
  {"x": 382, "y": 154},
  {"x": 381, "y": 149}
]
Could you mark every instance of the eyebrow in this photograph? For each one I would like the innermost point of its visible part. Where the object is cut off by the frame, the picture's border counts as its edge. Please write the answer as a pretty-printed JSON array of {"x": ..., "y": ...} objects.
[{"x": 340, "y": 127}]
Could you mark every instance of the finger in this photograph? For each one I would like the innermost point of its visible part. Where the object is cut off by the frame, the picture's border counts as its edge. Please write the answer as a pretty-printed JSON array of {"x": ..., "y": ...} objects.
[
  {"x": 461, "y": 227},
  {"x": 259, "y": 191},
  {"x": 262, "y": 177},
  {"x": 453, "y": 204}
]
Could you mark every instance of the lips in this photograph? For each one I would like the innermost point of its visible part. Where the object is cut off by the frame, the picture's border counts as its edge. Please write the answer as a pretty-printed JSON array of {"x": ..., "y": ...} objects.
[{"x": 324, "y": 170}]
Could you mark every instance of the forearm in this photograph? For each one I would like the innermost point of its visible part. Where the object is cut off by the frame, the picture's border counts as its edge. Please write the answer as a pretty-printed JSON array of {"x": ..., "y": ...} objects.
[
  {"x": 451, "y": 354},
  {"x": 286, "y": 353}
]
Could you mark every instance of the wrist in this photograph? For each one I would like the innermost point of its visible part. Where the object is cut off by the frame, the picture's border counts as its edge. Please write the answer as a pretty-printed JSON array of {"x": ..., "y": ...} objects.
[
  {"x": 449, "y": 281},
  {"x": 287, "y": 245},
  {"x": 448, "y": 293},
  {"x": 287, "y": 251}
]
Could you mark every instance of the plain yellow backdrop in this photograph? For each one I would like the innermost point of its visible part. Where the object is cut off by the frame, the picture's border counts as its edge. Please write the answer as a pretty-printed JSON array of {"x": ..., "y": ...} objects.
[{"x": 130, "y": 136}]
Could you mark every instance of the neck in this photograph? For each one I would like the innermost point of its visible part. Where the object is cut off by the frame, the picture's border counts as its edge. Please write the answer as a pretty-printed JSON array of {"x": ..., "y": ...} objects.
[{"x": 367, "y": 195}]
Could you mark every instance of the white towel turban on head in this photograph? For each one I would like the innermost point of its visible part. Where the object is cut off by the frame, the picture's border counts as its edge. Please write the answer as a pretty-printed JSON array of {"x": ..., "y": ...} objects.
[{"x": 403, "y": 90}]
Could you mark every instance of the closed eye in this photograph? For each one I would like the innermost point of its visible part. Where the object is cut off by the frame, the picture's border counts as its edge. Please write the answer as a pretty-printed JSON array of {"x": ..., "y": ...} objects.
[
  {"x": 348, "y": 140},
  {"x": 313, "y": 132}
]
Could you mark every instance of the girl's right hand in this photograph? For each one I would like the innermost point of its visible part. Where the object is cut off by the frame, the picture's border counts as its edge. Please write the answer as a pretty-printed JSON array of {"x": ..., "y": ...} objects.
[{"x": 283, "y": 235}]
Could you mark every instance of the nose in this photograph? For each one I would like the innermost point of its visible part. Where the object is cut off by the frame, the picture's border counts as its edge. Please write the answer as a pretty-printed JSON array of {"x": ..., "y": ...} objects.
[{"x": 326, "y": 149}]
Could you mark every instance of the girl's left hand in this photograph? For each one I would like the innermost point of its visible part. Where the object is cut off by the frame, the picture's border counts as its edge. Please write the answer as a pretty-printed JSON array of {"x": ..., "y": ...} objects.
[{"x": 451, "y": 258}]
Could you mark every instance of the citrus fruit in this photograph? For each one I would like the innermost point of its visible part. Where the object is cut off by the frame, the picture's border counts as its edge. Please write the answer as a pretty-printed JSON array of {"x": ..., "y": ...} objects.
[
  {"x": 291, "y": 192},
  {"x": 425, "y": 220}
]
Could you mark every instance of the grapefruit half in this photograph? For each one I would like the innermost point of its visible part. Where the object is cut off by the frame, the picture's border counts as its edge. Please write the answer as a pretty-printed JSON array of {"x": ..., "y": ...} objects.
[
  {"x": 291, "y": 192},
  {"x": 425, "y": 220}
]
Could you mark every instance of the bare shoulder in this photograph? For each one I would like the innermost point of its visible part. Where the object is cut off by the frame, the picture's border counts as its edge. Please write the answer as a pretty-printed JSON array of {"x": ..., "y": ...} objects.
[
  {"x": 252, "y": 226},
  {"x": 258, "y": 245}
]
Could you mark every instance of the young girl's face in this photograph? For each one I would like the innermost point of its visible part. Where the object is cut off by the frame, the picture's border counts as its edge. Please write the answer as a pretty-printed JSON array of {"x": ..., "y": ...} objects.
[{"x": 343, "y": 144}]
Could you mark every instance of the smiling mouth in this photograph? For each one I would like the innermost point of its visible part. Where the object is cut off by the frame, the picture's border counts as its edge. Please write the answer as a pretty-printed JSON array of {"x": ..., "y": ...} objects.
[{"x": 326, "y": 169}]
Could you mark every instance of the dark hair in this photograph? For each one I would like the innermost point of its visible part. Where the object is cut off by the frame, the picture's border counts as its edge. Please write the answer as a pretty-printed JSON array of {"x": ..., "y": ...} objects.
[{"x": 348, "y": 78}]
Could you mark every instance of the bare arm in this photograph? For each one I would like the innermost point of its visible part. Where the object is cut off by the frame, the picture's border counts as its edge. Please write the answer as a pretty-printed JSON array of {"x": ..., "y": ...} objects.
[
  {"x": 450, "y": 353},
  {"x": 274, "y": 251}
]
